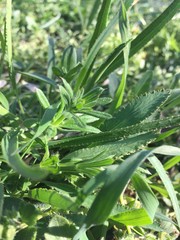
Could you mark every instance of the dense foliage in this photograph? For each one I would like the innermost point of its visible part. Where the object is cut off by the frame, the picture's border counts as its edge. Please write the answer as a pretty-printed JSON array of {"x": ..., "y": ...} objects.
[{"x": 89, "y": 123}]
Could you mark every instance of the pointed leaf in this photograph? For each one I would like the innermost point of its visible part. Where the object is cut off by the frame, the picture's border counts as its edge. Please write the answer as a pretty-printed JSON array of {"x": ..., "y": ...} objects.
[{"x": 136, "y": 111}]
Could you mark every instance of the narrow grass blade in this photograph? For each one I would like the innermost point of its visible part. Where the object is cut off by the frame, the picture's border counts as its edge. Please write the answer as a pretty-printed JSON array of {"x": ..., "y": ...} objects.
[
  {"x": 99, "y": 72},
  {"x": 92, "y": 54},
  {"x": 3, "y": 49},
  {"x": 167, "y": 183},
  {"x": 51, "y": 57},
  {"x": 169, "y": 164},
  {"x": 40, "y": 78},
  {"x": 8, "y": 39},
  {"x": 101, "y": 21},
  {"x": 146, "y": 35},
  {"x": 147, "y": 197},
  {"x": 125, "y": 35},
  {"x": 94, "y": 11},
  {"x": 143, "y": 85},
  {"x": 118, "y": 177},
  {"x": 107, "y": 197},
  {"x": 1, "y": 198}
]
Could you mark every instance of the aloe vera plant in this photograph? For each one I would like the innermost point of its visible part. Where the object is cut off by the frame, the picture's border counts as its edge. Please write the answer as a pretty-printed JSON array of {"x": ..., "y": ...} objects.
[{"x": 67, "y": 163}]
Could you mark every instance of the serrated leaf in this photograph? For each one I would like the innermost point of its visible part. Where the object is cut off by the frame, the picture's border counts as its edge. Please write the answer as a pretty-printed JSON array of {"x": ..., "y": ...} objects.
[
  {"x": 136, "y": 111},
  {"x": 117, "y": 134},
  {"x": 117, "y": 149}
]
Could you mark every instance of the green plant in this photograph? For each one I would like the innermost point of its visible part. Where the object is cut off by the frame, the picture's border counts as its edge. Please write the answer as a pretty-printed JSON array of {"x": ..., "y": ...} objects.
[{"x": 69, "y": 152}]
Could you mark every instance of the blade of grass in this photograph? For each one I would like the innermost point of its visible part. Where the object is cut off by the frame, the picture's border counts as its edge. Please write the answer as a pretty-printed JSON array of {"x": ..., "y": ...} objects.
[
  {"x": 101, "y": 21},
  {"x": 93, "y": 12},
  {"x": 99, "y": 72},
  {"x": 167, "y": 183},
  {"x": 125, "y": 35},
  {"x": 92, "y": 54},
  {"x": 147, "y": 197},
  {"x": 1, "y": 198},
  {"x": 118, "y": 177},
  {"x": 39, "y": 77},
  {"x": 146, "y": 35},
  {"x": 9, "y": 43},
  {"x": 169, "y": 164}
]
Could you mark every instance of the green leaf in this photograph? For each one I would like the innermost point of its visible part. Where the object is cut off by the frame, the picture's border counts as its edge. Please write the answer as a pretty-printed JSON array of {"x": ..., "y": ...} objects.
[
  {"x": 10, "y": 154},
  {"x": 117, "y": 149},
  {"x": 125, "y": 35},
  {"x": 42, "y": 98},
  {"x": 40, "y": 78},
  {"x": 133, "y": 217},
  {"x": 104, "y": 66},
  {"x": 93, "y": 12},
  {"x": 146, "y": 196},
  {"x": 167, "y": 150},
  {"x": 51, "y": 197},
  {"x": 51, "y": 56},
  {"x": 8, "y": 40},
  {"x": 107, "y": 197},
  {"x": 143, "y": 84},
  {"x": 28, "y": 233},
  {"x": 28, "y": 213},
  {"x": 68, "y": 88},
  {"x": 167, "y": 182},
  {"x": 59, "y": 228},
  {"x": 101, "y": 21},
  {"x": 4, "y": 101},
  {"x": 136, "y": 111},
  {"x": 3, "y": 111},
  {"x": 116, "y": 134},
  {"x": 173, "y": 100},
  {"x": 45, "y": 121},
  {"x": 69, "y": 58},
  {"x": 1, "y": 198},
  {"x": 171, "y": 162},
  {"x": 146, "y": 35},
  {"x": 97, "y": 114},
  {"x": 92, "y": 54}
]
